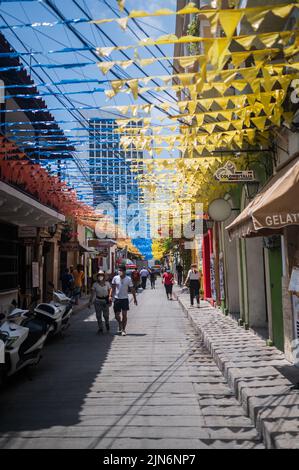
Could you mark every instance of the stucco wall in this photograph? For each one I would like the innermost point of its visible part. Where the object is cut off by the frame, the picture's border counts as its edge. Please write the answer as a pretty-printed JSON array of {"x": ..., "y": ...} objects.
[{"x": 256, "y": 282}]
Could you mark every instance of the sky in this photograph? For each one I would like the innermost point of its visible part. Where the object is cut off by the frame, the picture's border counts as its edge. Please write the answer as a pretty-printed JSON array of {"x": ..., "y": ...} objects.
[{"x": 46, "y": 39}]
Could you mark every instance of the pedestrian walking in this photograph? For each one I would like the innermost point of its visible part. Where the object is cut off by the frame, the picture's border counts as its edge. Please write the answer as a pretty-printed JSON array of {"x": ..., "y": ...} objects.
[
  {"x": 67, "y": 282},
  {"x": 144, "y": 275},
  {"x": 153, "y": 277},
  {"x": 101, "y": 297},
  {"x": 168, "y": 282},
  {"x": 78, "y": 275},
  {"x": 179, "y": 270},
  {"x": 193, "y": 282},
  {"x": 120, "y": 291},
  {"x": 135, "y": 276}
]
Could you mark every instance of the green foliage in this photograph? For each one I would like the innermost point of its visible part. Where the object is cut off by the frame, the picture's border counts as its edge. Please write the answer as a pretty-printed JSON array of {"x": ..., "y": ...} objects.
[{"x": 193, "y": 30}]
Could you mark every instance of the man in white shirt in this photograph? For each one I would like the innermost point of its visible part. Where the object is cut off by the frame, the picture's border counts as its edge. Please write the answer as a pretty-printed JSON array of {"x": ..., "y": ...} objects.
[
  {"x": 120, "y": 292},
  {"x": 144, "y": 275}
]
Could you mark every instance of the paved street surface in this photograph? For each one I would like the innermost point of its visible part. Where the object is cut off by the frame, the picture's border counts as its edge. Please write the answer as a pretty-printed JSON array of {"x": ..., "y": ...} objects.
[{"x": 158, "y": 387}]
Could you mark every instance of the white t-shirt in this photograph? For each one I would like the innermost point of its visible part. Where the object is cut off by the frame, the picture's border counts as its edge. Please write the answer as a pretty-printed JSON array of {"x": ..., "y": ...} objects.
[
  {"x": 193, "y": 276},
  {"x": 122, "y": 287},
  {"x": 144, "y": 273}
]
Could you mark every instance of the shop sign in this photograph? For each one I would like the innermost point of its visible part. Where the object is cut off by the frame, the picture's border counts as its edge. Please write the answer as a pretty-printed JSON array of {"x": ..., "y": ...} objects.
[
  {"x": 229, "y": 174},
  {"x": 27, "y": 232},
  {"x": 100, "y": 244},
  {"x": 70, "y": 246}
]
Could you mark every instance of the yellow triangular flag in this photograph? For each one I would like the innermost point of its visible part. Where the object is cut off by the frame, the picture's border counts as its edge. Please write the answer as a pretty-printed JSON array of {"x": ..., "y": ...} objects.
[
  {"x": 269, "y": 39},
  {"x": 200, "y": 119},
  {"x": 210, "y": 127},
  {"x": 229, "y": 20},
  {"x": 126, "y": 63},
  {"x": 133, "y": 84},
  {"x": 192, "y": 106},
  {"x": 239, "y": 57},
  {"x": 260, "y": 122},
  {"x": 255, "y": 17},
  {"x": 105, "y": 51},
  {"x": 105, "y": 66},
  {"x": 283, "y": 11},
  {"x": 239, "y": 84},
  {"x": 123, "y": 22},
  {"x": 187, "y": 61},
  {"x": 238, "y": 124},
  {"x": 117, "y": 85},
  {"x": 225, "y": 125},
  {"x": 145, "y": 62},
  {"x": 246, "y": 41},
  {"x": 121, "y": 4},
  {"x": 109, "y": 94},
  {"x": 190, "y": 8}
]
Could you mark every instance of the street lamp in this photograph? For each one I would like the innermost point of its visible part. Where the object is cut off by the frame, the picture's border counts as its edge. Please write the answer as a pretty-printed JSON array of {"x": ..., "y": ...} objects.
[{"x": 251, "y": 188}]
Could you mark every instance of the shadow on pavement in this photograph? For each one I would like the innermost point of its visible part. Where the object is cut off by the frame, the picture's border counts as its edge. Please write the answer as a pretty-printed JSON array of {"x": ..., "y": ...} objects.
[{"x": 61, "y": 382}]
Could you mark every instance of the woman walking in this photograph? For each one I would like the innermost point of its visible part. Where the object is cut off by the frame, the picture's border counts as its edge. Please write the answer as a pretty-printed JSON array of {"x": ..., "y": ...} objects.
[
  {"x": 193, "y": 282},
  {"x": 153, "y": 278},
  {"x": 168, "y": 282},
  {"x": 101, "y": 297}
]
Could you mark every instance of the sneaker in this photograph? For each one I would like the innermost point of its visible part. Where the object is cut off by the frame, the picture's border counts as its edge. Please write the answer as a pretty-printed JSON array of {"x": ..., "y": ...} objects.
[
  {"x": 198, "y": 305},
  {"x": 123, "y": 333},
  {"x": 107, "y": 326}
]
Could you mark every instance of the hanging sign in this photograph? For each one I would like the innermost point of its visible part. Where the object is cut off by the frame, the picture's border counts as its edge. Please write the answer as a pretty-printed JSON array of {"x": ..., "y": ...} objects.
[
  {"x": 70, "y": 246},
  {"x": 27, "y": 232},
  {"x": 229, "y": 174}
]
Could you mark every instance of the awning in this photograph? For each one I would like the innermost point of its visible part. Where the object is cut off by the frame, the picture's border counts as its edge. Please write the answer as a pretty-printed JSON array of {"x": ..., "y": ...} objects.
[
  {"x": 275, "y": 206},
  {"x": 21, "y": 209}
]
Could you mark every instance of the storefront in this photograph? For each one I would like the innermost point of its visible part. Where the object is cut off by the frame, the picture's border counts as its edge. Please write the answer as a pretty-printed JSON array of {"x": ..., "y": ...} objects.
[
  {"x": 274, "y": 215},
  {"x": 25, "y": 229}
]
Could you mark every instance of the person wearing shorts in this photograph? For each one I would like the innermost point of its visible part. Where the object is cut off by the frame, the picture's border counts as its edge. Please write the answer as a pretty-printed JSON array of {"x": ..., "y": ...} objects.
[{"x": 120, "y": 291}]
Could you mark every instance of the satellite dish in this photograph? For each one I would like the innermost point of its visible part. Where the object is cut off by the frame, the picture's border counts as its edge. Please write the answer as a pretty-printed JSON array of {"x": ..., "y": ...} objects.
[{"x": 219, "y": 210}]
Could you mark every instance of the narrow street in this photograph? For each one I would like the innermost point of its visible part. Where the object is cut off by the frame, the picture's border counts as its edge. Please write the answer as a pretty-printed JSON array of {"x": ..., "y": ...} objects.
[{"x": 156, "y": 388}]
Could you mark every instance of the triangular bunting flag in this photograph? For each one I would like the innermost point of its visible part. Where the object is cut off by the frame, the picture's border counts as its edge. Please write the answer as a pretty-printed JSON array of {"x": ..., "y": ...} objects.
[{"x": 229, "y": 20}]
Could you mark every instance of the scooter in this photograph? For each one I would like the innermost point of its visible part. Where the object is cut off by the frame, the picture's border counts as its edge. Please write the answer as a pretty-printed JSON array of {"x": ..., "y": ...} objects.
[
  {"x": 23, "y": 338},
  {"x": 58, "y": 312}
]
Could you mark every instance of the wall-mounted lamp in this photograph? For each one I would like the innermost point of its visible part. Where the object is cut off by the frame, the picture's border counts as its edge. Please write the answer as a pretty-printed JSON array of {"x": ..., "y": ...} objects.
[{"x": 251, "y": 188}]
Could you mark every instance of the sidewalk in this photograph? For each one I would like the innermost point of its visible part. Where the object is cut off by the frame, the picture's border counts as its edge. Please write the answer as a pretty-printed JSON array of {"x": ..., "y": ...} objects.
[
  {"x": 83, "y": 303},
  {"x": 260, "y": 376}
]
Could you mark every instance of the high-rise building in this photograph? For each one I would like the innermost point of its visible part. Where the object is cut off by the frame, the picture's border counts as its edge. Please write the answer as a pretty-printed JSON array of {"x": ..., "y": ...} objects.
[{"x": 110, "y": 164}]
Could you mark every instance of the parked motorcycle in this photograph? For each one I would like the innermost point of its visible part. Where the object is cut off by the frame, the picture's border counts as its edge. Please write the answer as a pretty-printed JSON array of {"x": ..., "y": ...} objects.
[
  {"x": 24, "y": 338},
  {"x": 58, "y": 312}
]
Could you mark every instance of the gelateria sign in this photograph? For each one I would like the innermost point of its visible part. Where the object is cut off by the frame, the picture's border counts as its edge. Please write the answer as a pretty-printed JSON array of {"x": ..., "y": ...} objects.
[
  {"x": 229, "y": 174},
  {"x": 280, "y": 220}
]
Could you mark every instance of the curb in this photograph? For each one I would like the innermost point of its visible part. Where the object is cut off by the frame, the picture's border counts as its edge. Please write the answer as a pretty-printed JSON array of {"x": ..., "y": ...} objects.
[{"x": 251, "y": 369}]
